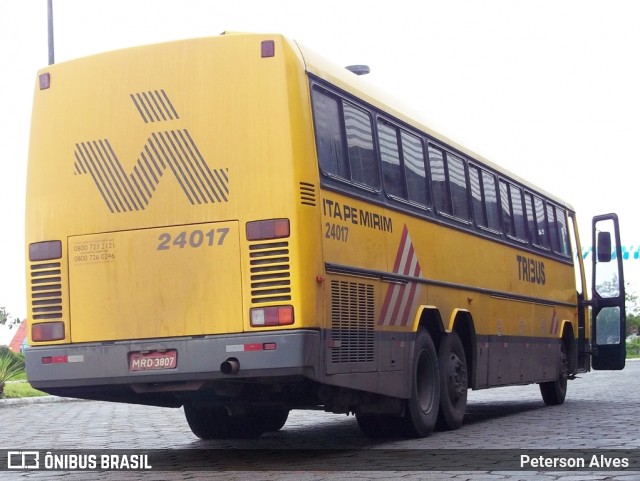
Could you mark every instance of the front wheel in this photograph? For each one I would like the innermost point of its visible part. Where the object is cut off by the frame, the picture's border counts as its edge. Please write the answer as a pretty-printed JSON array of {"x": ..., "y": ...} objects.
[
  {"x": 554, "y": 392},
  {"x": 422, "y": 407}
]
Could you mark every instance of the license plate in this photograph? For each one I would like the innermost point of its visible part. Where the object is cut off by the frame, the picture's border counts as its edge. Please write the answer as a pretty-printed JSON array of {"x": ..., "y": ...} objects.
[{"x": 148, "y": 361}]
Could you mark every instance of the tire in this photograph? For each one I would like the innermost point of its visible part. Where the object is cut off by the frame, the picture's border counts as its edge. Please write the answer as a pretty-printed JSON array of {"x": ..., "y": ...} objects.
[
  {"x": 214, "y": 422},
  {"x": 453, "y": 382},
  {"x": 272, "y": 419},
  {"x": 380, "y": 426},
  {"x": 555, "y": 392},
  {"x": 422, "y": 407}
]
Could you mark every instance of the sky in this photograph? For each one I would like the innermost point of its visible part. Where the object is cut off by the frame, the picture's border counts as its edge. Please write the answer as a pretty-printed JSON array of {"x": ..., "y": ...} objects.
[{"x": 549, "y": 89}]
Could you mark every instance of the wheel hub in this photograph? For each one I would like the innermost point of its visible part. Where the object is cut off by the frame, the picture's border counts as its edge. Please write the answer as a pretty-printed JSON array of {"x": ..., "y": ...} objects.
[{"x": 457, "y": 374}]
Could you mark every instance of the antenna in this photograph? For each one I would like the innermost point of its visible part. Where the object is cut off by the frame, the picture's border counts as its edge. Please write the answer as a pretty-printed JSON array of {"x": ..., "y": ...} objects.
[{"x": 50, "y": 29}]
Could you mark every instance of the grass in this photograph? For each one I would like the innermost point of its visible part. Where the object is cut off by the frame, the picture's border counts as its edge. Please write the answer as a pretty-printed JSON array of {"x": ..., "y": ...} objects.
[
  {"x": 18, "y": 389},
  {"x": 21, "y": 376}
]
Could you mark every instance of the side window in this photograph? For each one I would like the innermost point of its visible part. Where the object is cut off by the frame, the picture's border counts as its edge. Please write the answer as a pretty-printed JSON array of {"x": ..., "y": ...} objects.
[
  {"x": 332, "y": 154},
  {"x": 490, "y": 191},
  {"x": 558, "y": 232},
  {"x": 403, "y": 166},
  {"x": 512, "y": 210},
  {"x": 439, "y": 188},
  {"x": 518, "y": 212},
  {"x": 414, "y": 168},
  {"x": 531, "y": 220},
  {"x": 449, "y": 183},
  {"x": 390, "y": 156},
  {"x": 458, "y": 185},
  {"x": 477, "y": 202},
  {"x": 484, "y": 199},
  {"x": 553, "y": 228},
  {"x": 506, "y": 208},
  {"x": 364, "y": 167},
  {"x": 344, "y": 140},
  {"x": 563, "y": 232},
  {"x": 541, "y": 222}
]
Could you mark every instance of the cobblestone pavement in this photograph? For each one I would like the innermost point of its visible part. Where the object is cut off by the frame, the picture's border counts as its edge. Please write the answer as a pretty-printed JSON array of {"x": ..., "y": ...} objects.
[{"x": 600, "y": 413}]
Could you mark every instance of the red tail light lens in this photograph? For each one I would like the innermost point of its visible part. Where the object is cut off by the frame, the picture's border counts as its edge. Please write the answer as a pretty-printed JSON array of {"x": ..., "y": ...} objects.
[
  {"x": 47, "y": 331},
  {"x": 268, "y": 229},
  {"x": 272, "y": 316}
]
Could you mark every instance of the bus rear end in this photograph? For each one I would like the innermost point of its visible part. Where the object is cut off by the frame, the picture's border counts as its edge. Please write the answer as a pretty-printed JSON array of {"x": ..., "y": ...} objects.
[{"x": 166, "y": 222}]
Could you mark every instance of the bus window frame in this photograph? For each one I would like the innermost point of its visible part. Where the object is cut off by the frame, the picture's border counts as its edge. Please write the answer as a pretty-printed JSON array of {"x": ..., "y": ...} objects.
[
  {"x": 472, "y": 165},
  {"x": 508, "y": 183},
  {"x": 314, "y": 86},
  {"x": 446, "y": 151},
  {"x": 399, "y": 130}
]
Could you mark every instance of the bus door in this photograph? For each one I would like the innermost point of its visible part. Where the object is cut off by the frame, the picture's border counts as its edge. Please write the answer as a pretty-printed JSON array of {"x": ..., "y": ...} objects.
[{"x": 608, "y": 297}]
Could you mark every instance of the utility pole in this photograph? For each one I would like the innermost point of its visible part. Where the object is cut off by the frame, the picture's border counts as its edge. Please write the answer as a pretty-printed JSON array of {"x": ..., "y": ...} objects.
[{"x": 50, "y": 30}]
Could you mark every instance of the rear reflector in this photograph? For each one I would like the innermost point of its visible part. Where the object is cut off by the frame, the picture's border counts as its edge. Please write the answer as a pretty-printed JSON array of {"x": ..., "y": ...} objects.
[
  {"x": 47, "y": 331},
  {"x": 272, "y": 316},
  {"x": 268, "y": 229},
  {"x": 45, "y": 251},
  {"x": 265, "y": 346},
  {"x": 55, "y": 360}
]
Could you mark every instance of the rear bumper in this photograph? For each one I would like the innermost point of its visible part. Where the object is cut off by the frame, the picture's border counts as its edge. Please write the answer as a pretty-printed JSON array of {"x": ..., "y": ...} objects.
[{"x": 296, "y": 353}]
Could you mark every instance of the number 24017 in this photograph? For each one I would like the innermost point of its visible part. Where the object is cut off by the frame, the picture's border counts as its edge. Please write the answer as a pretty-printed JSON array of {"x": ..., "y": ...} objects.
[{"x": 195, "y": 238}]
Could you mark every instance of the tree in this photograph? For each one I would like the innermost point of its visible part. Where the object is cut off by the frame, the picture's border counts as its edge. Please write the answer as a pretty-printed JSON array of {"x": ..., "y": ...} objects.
[
  {"x": 633, "y": 325},
  {"x": 631, "y": 301},
  {"x": 633, "y": 346},
  {"x": 7, "y": 320}
]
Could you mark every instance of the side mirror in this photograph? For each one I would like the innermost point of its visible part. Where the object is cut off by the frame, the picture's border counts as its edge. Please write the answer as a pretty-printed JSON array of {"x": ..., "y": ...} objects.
[{"x": 604, "y": 247}]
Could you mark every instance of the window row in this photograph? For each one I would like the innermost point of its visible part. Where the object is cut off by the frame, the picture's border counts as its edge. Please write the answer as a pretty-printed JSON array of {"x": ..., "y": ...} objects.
[{"x": 353, "y": 148}]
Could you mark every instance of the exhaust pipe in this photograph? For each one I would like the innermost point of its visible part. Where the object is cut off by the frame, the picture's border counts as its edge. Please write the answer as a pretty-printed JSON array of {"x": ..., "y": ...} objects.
[{"x": 230, "y": 366}]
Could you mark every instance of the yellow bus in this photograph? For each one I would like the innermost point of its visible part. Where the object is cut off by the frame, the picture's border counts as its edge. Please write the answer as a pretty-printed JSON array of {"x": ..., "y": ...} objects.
[{"x": 236, "y": 226}]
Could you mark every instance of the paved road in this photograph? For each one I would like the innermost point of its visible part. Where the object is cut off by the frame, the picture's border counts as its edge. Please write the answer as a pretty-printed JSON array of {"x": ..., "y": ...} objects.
[{"x": 600, "y": 413}]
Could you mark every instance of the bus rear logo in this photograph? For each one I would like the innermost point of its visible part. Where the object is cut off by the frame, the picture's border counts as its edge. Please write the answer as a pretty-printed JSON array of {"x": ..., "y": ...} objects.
[{"x": 170, "y": 149}]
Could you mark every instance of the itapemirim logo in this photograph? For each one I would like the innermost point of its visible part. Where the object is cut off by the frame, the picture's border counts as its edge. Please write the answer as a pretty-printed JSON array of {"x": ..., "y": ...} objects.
[{"x": 165, "y": 149}]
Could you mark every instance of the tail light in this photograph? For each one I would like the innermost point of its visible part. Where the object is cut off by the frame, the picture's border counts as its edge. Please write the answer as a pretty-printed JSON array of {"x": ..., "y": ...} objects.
[
  {"x": 268, "y": 229},
  {"x": 271, "y": 316},
  {"x": 47, "y": 331}
]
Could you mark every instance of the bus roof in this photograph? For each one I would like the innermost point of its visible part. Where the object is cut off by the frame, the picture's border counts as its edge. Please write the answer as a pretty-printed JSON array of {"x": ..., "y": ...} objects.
[{"x": 361, "y": 88}]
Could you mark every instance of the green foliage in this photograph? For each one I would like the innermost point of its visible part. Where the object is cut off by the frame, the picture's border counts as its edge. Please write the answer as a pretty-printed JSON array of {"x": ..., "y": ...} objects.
[
  {"x": 7, "y": 320},
  {"x": 631, "y": 301},
  {"x": 633, "y": 347},
  {"x": 11, "y": 366},
  {"x": 633, "y": 324}
]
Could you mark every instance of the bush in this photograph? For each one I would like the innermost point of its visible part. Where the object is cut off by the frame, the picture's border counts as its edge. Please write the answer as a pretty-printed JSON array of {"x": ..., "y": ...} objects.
[{"x": 10, "y": 366}]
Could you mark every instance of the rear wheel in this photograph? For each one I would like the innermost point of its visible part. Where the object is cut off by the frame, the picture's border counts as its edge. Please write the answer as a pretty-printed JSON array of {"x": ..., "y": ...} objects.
[
  {"x": 422, "y": 407},
  {"x": 379, "y": 426},
  {"x": 554, "y": 392},
  {"x": 453, "y": 382},
  {"x": 272, "y": 419},
  {"x": 214, "y": 422}
]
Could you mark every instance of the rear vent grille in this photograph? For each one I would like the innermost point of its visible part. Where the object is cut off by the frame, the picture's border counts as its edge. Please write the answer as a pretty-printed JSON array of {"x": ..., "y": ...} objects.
[
  {"x": 270, "y": 272},
  {"x": 307, "y": 194},
  {"x": 352, "y": 322},
  {"x": 46, "y": 291}
]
